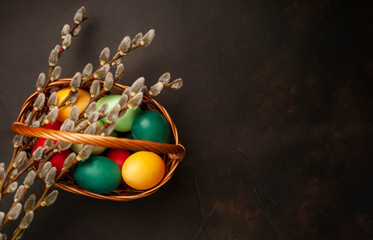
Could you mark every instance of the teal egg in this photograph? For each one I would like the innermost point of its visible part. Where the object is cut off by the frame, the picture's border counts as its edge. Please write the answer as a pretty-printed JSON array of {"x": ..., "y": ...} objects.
[
  {"x": 98, "y": 174},
  {"x": 124, "y": 123},
  {"x": 151, "y": 126}
]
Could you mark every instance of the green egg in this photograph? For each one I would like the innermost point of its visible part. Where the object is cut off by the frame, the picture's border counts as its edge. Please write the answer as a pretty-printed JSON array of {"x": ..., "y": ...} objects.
[
  {"x": 151, "y": 126},
  {"x": 124, "y": 123},
  {"x": 98, "y": 174}
]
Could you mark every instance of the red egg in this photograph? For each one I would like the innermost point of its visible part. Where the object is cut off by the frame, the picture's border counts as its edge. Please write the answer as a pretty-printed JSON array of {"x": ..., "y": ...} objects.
[
  {"x": 119, "y": 156},
  {"x": 58, "y": 158},
  {"x": 54, "y": 125}
]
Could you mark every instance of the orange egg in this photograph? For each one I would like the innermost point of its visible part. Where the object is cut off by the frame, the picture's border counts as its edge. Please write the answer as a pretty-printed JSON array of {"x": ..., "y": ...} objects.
[
  {"x": 81, "y": 102},
  {"x": 143, "y": 170}
]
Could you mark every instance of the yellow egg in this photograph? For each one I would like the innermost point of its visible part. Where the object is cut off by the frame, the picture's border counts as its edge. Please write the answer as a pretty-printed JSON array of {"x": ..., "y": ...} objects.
[
  {"x": 143, "y": 170},
  {"x": 81, "y": 102}
]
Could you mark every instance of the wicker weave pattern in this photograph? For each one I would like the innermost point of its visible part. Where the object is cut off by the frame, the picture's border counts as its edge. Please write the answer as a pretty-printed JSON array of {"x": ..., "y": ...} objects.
[{"x": 173, "y": 153}]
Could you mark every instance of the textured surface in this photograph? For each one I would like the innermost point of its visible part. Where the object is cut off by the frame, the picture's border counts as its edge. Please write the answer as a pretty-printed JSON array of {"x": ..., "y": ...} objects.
[{"x": 275, "y": 113}]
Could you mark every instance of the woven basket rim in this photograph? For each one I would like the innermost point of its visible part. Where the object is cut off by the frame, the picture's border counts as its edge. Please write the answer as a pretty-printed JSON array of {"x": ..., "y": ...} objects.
[{"x": 173, "y": 152}]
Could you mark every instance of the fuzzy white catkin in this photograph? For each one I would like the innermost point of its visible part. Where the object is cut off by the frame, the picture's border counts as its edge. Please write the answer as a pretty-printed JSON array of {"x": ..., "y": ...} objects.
[
  {"x": 113, "y": 114},
  {"x": 79, "y": 15},
  {"x": 50, "y": 199},
  {"x": 39, "y": 101},
  {"x": 136, "y": 85},
  {"x": 46, "y": 167},
  {"x": 109, "y": 81},
  {"x": 75, "y": 81},
  {"x": 15, "y": 211},
  {"x": 95, "y": 88},
  {"x": 52, "y": 100},
  {"x": 127, "y": 92},
  {"x": 13, "y": 173},
  {"x": 100, "y": 73},
  {"x": 20, "y": 158},
  {"x": 135, "y": 101},
  {"x": 40, "y": 82},
  {"x": 87, "y": 71},
  {"x": 68, "y": 125},
  {"x": 165, "y": 78},
  {"x": 177, "y": 85},
  {"x": 17, "y": 140},
  {"x": 156, "y": 89},
  {"x": 72, "y": 99},
  {"x": 12, "y": 187},
  {"x": 52, "y": 115},
  {"x": 103, "y": 108},
  {"x": 49, "y": 143},
  {"x": 57, "y": 47},
  {"x": 84, "y": 153},
  {"x": 50, "y": 178},
  {"x": 120, "y": 70},
  {"x": 69, "y": 159},
  {"x": 56, "y": 73},
  {"x": 93, "y": 117},
  {"x": 26, "y": 220},
  {"x": 91, "y": 129},
  {"x": 62, "y": 146},
  {"x": 66, "y": 41},
  {"x": 29, "y": 179},
  {"x": 137, "y": 39},
  {"x": 124, "y": 45},
  {"x": 74, "y": 113},
  {"x": 30, "y": 203},
  {"x": 104, "y": 56},
  {"x": 109, "y": 129},
  {"x": 65, "y": 30},
  {"x": 123, "y": 100},
  {"x": 148, "y": 37},
  {"x": 77, "y": 30},
  {"x": 38, "y": 153},
  {"x": 19, "y": 192},
  {"x": 90, "y": 109},
  {"x": 53, "y": 57}
]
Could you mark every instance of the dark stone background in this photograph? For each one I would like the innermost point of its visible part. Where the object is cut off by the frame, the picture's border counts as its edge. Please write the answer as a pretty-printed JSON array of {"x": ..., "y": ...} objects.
[{"x": 275, "y": 114}]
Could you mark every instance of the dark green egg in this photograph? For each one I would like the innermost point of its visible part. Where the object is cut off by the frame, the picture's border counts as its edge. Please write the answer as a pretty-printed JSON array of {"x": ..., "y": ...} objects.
[{"x": 151, "y": 126}]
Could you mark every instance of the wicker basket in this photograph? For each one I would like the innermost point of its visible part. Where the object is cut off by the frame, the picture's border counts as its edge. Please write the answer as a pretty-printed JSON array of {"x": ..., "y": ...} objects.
[{"x": 172, "y": 153}]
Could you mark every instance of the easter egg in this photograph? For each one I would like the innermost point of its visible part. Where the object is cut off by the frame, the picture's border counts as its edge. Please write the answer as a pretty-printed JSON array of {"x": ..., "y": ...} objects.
[
  {"x": 56, "y": 125},
  {"x": 97, "y": 174},
  {"x": 143, "y": 170},
  {"x": 96, "y": 149},
  {"x": 151, "y": 126},
  {"x": 118, "y": 156},
  {"x": 124, "y": 123},
  {"x": 81, "y": 102},
  {"x": 57, "y": 159}
]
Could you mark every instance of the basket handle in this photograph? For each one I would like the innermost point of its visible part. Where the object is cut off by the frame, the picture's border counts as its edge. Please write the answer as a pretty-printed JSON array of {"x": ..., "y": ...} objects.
[{"x": 175, "y": 151}]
